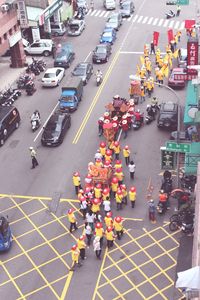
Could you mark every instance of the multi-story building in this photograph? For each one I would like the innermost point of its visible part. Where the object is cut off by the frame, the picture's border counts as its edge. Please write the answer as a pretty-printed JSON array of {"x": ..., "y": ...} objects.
[{"x": 10, "y": 33}]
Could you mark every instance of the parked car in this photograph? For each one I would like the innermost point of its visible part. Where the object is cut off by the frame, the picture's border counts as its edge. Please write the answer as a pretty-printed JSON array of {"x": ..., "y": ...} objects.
[
  {"x": 58, "y": 29},
  {"x": 127, "y": 8},
  {"x": 53, "y": 76},
  {"x": 5, "y": 235},
  {"x": 109, "y": 4},
  {"x": 9, "y": 121},
  {"x": 64, "y": 56},
  {"x": 55, "y": 129},
  {"x": 76, "y": 27},
  {"x": 42, "y": 47},
  {"x": 84, "y": 71},
  {"x": 114, "y": 21},
  {"x": 101, "y": 53},
  {"x": 168, "y": 116},
  {"x": 182, "y": 58},
  {"x": 174, "y": 82},
  {"x": 108, "y": 36}
]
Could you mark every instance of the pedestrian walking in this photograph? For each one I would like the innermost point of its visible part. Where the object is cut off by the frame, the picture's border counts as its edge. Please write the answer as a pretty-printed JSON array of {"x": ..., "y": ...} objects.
[
  {"x": 118, "y": 199},
  {"x": 152, "y": 50},
  {"x": 114, "y": 185},
  {"x": 116, "y": 149},
  {"x": 131, "y": 168},
  {"x": 81, "y": 246},
  {"x": 132, "y": 196},
  {"x": 120, "y": 175},
  {"x": 110, "y": 237},
  {"x": 126, "y": 154},
  {"x": 106, "y": 205},
  {"x": 125, "y": 128},
  {"x": 99, "y": 232},
  {"x": 142, "y": 94},
  {"x": 33, "y": 158},
  {"x": 118, "y": 227},
  {"x": 90, "y": 216},
  {"x": 100, "y": 125},
  {"x": 54, "y": 49},
  {"x": 75, "y": 252},
  {"x": 152, "y": 211},
  {"x": 88, "y": 233},
  {"x": 72, "y": 220},
  {"x": 108, "y": 219},
  {"x": 124, "y": 192},
  {"x": 83, "y": 206},
  {"x": 178, "y": 10},
  {"x": 76, "y": 181},
  {"x": 97, "y": 247}
]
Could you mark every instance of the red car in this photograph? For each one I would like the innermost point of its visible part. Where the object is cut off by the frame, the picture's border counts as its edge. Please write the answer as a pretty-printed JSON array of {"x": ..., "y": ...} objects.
[{"x": 176, "y": 79}]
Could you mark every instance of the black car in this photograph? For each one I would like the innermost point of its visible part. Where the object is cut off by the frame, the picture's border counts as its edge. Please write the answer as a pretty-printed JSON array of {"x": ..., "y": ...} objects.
[
  {"x": 101, "y": 53},
  {"x": 168, "y": 116},
  {"x": 127, "y": 8},
  {"x": 84, "y": 71},
  {"x": 55, "y": 129},
  {"x": 64, "y": 56}
]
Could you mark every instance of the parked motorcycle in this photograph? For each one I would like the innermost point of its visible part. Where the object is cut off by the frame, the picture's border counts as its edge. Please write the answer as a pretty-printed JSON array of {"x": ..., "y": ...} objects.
[
  {"x": 170, "y": 14},
  {"x": 137, "y": 123},
  {"x": 30, "y": 88},
  {"x": 188, "y": 181},
  {"x": 35, "y": 121},
  {"x": 161, "y": 209},
  {"x": 149, "y": 119},
  {"x": 23, "y": 79}
]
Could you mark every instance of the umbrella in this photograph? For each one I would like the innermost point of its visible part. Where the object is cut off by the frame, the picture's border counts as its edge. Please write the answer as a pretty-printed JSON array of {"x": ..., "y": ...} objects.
[{"x": 189, "y": 278}]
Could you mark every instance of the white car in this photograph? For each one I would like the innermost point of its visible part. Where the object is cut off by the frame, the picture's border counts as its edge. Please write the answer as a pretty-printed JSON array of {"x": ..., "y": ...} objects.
[
  {"x": 42, "y": 47},
  {"x": 76, "y": 27},
  {"x": 53, "y": 76},
  {"x": 109, "y": 4}
]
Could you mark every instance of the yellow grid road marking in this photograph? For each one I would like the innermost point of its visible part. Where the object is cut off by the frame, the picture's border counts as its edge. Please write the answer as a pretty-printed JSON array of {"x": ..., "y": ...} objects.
[
  {"x": 11, "y": 207},
  {"x": 13, "y": 281},
  {"x": 29, "y": 215},
  {"x": 36, "y": 198}
]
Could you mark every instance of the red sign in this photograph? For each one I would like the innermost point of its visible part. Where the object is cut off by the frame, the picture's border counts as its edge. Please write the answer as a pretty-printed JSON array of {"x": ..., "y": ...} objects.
[
  {"x": 180, "y": 77},
  {"x": 170, "y": 35},
  {"x": 192, "y": 55},
  {"x": 189, "y": 24},
  {"x": 155, "y": 38}
]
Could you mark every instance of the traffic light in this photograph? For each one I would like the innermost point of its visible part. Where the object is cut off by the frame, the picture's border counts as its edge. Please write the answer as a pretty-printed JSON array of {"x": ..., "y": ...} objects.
[{"x": 168, "y": 159}]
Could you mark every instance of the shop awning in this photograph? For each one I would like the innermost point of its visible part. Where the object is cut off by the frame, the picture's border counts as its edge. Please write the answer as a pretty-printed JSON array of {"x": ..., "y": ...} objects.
[
  {"x": 33, "y": 14},
  {"x": 191, "y": 101}
]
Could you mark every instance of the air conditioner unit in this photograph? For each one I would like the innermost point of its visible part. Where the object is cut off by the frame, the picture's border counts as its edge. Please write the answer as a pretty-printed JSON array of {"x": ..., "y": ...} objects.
[{"x": 5, "y": 7}]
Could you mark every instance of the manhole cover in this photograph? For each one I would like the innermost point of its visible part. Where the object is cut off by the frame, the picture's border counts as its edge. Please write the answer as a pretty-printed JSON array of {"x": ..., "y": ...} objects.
[{"x": 14, "y": 143}]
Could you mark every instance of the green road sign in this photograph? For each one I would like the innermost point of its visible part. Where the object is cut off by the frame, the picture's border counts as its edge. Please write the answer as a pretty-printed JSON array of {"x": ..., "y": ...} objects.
[
  {"x": 182, "y": 2},
  {"x": 178, "y": 147},
  {"x": 168, "y": 159}
]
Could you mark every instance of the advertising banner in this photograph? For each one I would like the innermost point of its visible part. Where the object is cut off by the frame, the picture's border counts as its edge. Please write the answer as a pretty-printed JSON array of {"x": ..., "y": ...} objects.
[
  {"x": 170, "y": 35},
  {"x": 155, "y": 38}
]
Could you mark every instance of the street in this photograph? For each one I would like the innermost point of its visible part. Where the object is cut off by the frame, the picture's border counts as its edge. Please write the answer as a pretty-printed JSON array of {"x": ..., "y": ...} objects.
[{"x": 143, "y": 264}]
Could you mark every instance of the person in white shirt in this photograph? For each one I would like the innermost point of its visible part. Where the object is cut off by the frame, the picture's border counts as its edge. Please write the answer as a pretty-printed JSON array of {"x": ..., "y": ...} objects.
[
  {"x": 131, "y": 168},
  {"x": 106, "y": 205}
]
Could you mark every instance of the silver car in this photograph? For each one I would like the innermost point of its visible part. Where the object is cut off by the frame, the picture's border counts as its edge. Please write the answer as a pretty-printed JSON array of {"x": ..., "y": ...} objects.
[
  {"x": 109, "y": 4},
  {"x": 76, "y": 27}
]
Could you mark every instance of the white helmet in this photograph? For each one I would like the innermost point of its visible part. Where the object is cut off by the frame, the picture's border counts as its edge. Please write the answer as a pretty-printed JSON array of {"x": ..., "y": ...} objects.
[
  {"x": 148, "y": 105},
  {"x": 30, "y": 148}
]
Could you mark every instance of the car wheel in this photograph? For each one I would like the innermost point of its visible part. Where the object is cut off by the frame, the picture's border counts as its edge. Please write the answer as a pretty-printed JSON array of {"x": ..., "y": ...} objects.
[
  {"x": 56, "y": 34},
  {"x": 106, "y": 59},
  {"x": 1, "y": 142},
  {"x": 17, "y": 125},
  {"x": 46, "y": 53}
]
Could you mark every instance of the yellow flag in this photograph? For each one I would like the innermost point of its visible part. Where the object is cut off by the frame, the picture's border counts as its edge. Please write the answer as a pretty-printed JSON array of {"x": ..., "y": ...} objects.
[
  {"x": 142, "y": 60},
  {"x": 166, "y": 72},
  {"x": 175, "y": 54}
]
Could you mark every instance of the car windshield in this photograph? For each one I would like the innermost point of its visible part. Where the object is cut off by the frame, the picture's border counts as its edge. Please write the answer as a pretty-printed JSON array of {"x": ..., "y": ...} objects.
[
  {"x": 80, "y": 71},
  {"x": 168, "y": 107},
  {"x": 125, "y": 6},
  {"x": 112, "y": 20},
  {"x": 49, "y": 75},
  {"x": 74, "y": 27},
  {"x": 54, "y": 125},
  {"x": 100, "y": 50},
  {"x": 60, "y": 55},
  {"x": 107, "y": 34},
  {"x": 69, "y": 99}
]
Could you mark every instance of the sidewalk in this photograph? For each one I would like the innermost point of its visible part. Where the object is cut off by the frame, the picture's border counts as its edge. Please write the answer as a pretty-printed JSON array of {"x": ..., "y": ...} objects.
[{"x": 9, "y": 75}]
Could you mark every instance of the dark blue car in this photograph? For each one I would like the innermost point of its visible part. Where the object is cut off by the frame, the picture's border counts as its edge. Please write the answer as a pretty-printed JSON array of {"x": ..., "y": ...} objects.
[
  {"x": 108, "y": 36},
  {"x": 5, "y": 235}
]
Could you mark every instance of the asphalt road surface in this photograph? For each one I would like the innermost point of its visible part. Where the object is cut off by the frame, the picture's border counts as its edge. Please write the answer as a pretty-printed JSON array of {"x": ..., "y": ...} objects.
[{"x": 142, "y": 265}]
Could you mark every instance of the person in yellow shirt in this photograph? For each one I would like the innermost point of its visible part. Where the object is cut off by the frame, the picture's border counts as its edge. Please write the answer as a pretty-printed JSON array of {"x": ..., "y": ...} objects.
[
  {"x": 77, "y": 182},
  {"x": 149, "y": 88},
  {"x": 110, "y": 237},
  {"x": 108, "y": 219},
  {"x": 96, "y": 206},
  {"x": 102, "y": 149},
  {"x": 81, "y": 246},
  {"x": 126, "y": 154},
  {"x": 117, "y": 149},
  {"x": 72, "y": 220},
  {"x": 117, "y": 224},
  {"x": 118, "y": 199},
  {"x": 160, "y": 77},
  {"x": 75, "y": 253},
  {"x": 125, "y": 193},
  {"x": 132, "y": 196},
  {"x": 118, "y": 164},
  {"x": 148, "y": 67},
  {"x": 98, "y": 191},
  {"x": 120, "y": 175},
  {"x": 142, "y": 93},
  {"x": 99, "y": 232},
  {"x": 114, "y": 185}
]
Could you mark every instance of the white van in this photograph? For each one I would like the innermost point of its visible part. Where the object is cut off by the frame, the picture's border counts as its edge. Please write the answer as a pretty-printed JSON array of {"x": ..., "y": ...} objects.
[
  {"x": 58, "y": 29},
  {"x": 109, "y": 4}
]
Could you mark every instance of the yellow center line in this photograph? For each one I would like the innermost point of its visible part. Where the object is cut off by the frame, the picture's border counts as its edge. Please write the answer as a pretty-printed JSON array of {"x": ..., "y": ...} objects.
[
  {"x": 13, "y": 281},
  {"x": 84, "y": 122}
]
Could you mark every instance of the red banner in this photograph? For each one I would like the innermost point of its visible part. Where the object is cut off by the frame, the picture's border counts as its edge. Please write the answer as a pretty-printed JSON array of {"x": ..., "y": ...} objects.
[
  {"x": 155, "y": 38},
  {"x": 189, "y": 24},
  {"x": 170, "y": 35},
  {"x": 192, "y": 53}
]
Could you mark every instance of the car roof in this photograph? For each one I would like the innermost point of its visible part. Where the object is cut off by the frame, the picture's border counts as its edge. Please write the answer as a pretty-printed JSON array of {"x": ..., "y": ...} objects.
[
  {"x": 43, "y": 40},
  {"x": 52, "y": 70},
  {"x": 102, "y": 46},
  {"x": 55, "y": 117},
  {"x": 169, "y": 106},
  {"x": 82, "y": 64}
]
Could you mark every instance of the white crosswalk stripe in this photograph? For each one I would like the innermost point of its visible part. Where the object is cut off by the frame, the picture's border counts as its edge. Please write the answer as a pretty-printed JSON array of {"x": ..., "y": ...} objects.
[
  {"x": 150, "y": 21},
  {"x": 141, "y": 19},
  {"x": 160, "y": 22},
  {"x": 155, "y": 21}
]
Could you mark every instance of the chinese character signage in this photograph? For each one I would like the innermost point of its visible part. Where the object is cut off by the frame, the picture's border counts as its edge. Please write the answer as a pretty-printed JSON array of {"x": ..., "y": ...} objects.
[
  {"x": 168, "y": 160},
  {"x": 22, "y": 14},
  {"x": 181, "y": 77},
  {"x": 192, "y": 53}
]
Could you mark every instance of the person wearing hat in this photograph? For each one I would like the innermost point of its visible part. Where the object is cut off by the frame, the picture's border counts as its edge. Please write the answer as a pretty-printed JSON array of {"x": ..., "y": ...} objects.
[
  {"x": 98, "y": 155},
  {"x": 126, "y": 154},
  {"x": 163, "y": 199},
  {"x": 118, "y": 199},
  {"x": 83, "y": 206},
  {"x": 33, "y": 158},
  {"x": 118, "y": 164},
  {"x": 108, "y": 155},
  {"x": 120, "y": 175},
  {"x": 110, "y": 237},
  {"x": 132, "y": 196},
  {"x": 124, "y": 192},
  {"x": 81, "y": 246},
  {"x": 152, "y": 211},
  {"x": 106, "y": 194},
  {"x": 102, "y": 149},
  {"x": 125, "y": 128},
  {"x": 117, "y": 149},
  {"x": 75, "y": 252},
  {"x": 97, "y": 247},
  {"x": 77, "y": 182},
  {"x": 72, "y": 219},
  {"x": 98, "y": 163},
  {"x": 118, "y": 227},
  {"x": 108, "y": 219},
  {"x": 100, "y": 125},
  {"x": 99, "y": 232}
]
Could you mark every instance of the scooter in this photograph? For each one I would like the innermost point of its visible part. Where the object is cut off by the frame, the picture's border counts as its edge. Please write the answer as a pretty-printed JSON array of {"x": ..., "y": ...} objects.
[
  {"x": 35, "y": 121},
  {"x": 187, "y": 228},
  {"x": 30, "y": 88},
  {"x": 170, "y": 14},
  {"x": 161, "y": 209},
  {"x": 137, "y": 123},
  {"x": 149, "y": 119},
  {"x": 99, "y": 80}
]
